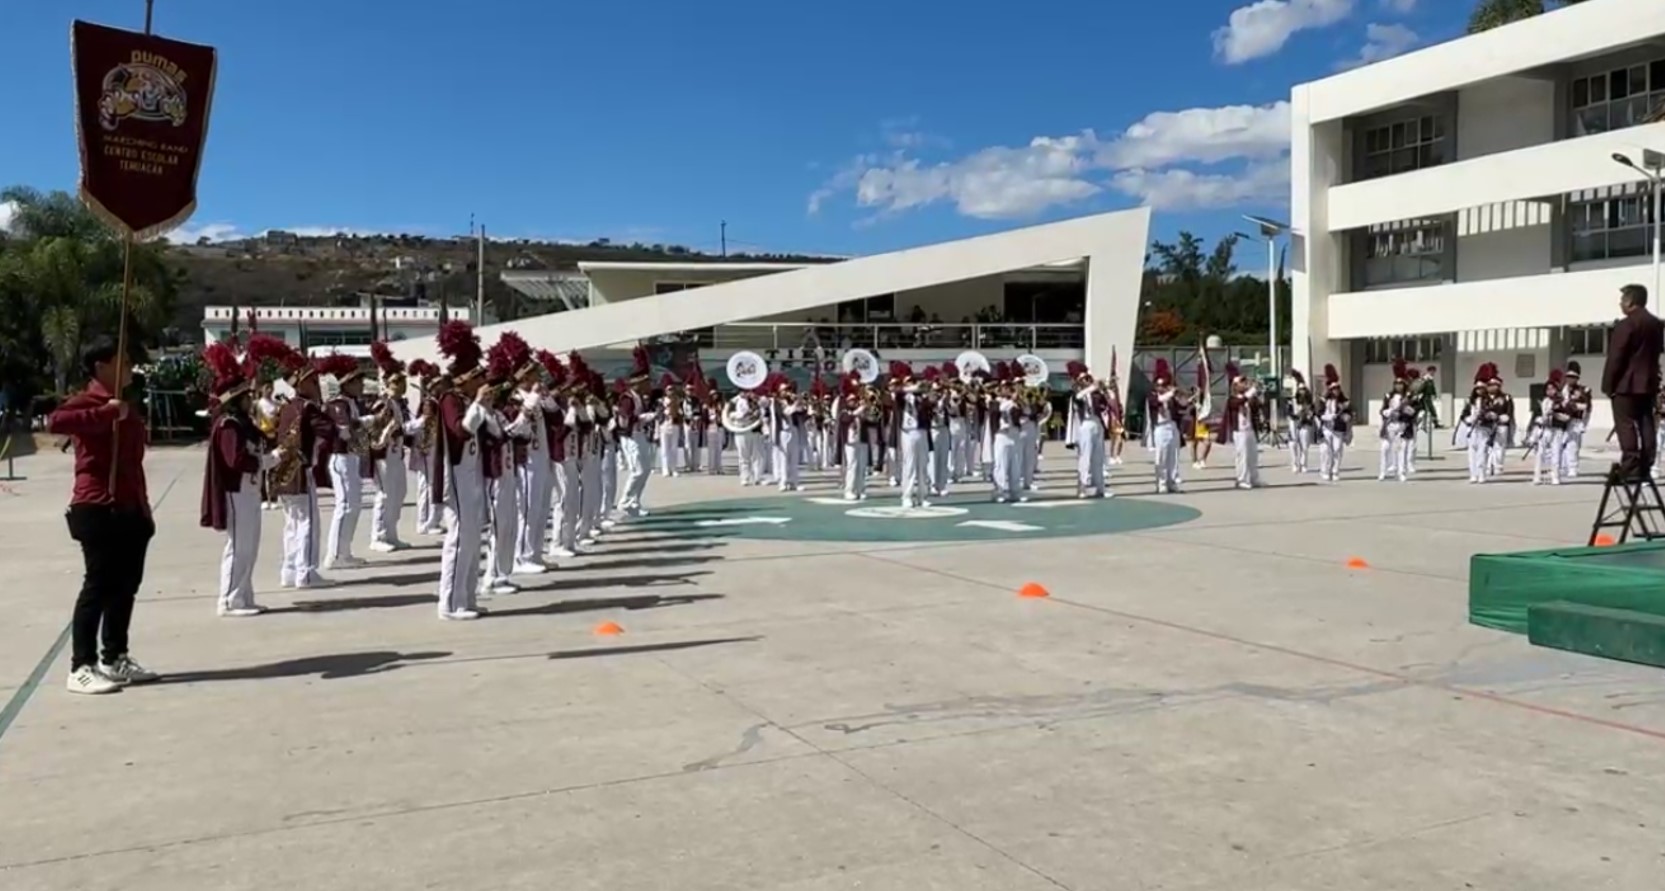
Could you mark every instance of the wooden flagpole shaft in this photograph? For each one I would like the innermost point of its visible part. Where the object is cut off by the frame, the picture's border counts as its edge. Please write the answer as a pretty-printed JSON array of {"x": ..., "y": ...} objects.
[{"x": 121, "y": 353}]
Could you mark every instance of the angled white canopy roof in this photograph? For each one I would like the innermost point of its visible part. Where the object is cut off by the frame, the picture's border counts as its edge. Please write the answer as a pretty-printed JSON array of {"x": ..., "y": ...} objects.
[{"x": 1113, "y": 245}]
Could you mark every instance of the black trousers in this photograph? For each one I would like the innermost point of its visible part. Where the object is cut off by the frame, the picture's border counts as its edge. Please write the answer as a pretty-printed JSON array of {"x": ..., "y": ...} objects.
[
  {"x": 1636, "y": 426},
  {"x": 113, "y": 546}
]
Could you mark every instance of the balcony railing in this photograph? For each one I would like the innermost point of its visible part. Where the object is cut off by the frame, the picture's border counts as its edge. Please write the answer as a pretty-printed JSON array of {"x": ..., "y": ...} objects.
[{"x": 804, "y": 335}]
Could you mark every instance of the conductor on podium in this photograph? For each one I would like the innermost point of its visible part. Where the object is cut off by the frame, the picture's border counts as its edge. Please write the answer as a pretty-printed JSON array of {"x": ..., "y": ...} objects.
[{"x": 1631, "y": 380}]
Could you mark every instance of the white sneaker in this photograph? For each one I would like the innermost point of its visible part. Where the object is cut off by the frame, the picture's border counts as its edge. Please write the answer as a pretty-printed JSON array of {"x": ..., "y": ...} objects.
[
  {"x": 505, "y": 588},
  {"x": 530, "y": 569},
  {"x": 125, "y": 671},
  {"x": 461, "y": 615},
  {"x": 240, "y": 612},
  {"x": 383, "y": 547},
  {"x": 87, "y": 680},
  {"x": 609, "y": 523},
  {"x": 562, "y": 554}
]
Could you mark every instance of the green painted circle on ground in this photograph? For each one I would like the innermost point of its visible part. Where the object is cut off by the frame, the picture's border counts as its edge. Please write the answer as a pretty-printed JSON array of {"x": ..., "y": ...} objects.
[{"x": 827, "y": 517}]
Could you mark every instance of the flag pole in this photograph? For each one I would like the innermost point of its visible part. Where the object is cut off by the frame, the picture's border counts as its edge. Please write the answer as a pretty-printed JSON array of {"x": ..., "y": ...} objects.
[{"x": 121, "y": 348}]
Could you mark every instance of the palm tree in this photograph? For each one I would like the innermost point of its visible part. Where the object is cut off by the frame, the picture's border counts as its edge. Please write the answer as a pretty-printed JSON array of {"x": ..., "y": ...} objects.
[
  {"x": 61, "y": 282},
  {"x": 1489, "y": 14}
]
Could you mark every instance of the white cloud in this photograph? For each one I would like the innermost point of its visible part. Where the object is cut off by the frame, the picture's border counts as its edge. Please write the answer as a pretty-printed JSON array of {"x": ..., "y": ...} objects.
[
  {"x": 8, "y": 210},
  {"x": 1381, "y": 42},
  {"x": 1154, "y": 160},
  {"x": 1400, "y": 6},
  {"x": 1260, "y": 182},
  {"x": 189, "y": 234},
  {"x": 1261, "y": 29}
]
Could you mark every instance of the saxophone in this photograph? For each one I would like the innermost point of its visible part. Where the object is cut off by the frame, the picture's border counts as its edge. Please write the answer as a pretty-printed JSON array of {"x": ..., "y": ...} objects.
[
  {"x": 289, "y": 465},
  {"x": 430, "y": 426}
]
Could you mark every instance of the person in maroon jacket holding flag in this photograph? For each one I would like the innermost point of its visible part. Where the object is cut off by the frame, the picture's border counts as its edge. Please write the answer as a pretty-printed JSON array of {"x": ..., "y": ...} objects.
[{"x": 109, "y": 516}]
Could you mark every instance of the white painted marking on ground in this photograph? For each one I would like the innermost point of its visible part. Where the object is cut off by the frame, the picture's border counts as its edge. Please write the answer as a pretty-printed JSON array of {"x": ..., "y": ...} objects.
[
  {"x": 898, "y": 512},
  {"x": 1051, "y": 502},
  {"x": 1003, "y": 525},
  {"x": 746, "y": 521},
  {"x": 830, "y": 501}
]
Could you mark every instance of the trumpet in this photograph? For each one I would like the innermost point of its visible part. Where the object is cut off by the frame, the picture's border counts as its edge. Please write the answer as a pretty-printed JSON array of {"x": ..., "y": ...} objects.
[{"x": 389, "y": 425}]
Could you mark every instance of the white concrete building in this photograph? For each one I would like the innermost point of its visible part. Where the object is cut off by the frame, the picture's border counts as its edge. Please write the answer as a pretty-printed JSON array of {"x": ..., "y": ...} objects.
[
  {"x": 1065, "y": 290},
  {"x": 1461, "y": 204},
  {"x": 325, "y": 329}
]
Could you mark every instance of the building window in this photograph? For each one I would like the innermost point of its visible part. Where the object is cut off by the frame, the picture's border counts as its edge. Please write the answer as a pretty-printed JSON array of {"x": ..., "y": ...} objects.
[
  {"x": 1611, "y": 222},
  {"x": 1587, "y": 341},
  {"x": 1400, "y": 253},
  {"x": 1404, "y": 145},
  {"x": 1614, "y": 100},
  {"x": 338, "y": 338},
  {"x": 871, "y": 310},
  {"x": 1383, "y": 351}
]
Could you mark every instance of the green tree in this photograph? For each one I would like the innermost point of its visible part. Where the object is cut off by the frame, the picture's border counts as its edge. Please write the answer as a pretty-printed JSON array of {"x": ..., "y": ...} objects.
[
  {"x": 1489, "y": 14},
  {"x": 1191, "y": 291},
  {"x": 61, "y": 284}
]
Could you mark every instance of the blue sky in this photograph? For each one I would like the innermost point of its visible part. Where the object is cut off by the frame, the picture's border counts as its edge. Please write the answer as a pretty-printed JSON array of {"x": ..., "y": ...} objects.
[{"x": 845, "y": 128}]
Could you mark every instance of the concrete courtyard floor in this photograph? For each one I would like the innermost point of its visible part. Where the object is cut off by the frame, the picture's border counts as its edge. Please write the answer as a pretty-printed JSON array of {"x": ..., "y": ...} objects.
[{"x": 1216, "y": 704}]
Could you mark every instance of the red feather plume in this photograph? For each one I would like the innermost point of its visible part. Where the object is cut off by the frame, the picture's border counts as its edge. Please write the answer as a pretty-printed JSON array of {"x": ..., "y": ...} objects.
[
  {"x": 641, "y": 363},
  {"x": 337, "y": 365},
  {"x": 552, "y": 366},
  {"x": 516, "y": 351},
  {"x": 1162, "y": 371},
  {"x": 382, "y": 355},
  {"x": 422, "y": 369},
  {"x": 459, "y": 343},
  {"x": 222, "y": 363},
  {"x": 1331, "y": 376},
  {"x": 1075, "y": 368},
  {"x": 1399, "y": 366},
  {"x": 268, "y": 357}
]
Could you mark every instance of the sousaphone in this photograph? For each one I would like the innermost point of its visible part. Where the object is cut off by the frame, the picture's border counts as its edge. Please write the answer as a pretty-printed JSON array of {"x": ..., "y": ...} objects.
[
  {"x": 746, "y": 371},
  {"x": 1035, "y": 372},
  {"x": 969, "y": 363},
  {"x": 863, "y": 363}
]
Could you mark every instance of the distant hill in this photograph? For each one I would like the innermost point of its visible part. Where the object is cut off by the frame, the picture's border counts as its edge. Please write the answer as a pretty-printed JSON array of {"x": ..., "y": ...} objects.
[{"x": 284, "y": 269}]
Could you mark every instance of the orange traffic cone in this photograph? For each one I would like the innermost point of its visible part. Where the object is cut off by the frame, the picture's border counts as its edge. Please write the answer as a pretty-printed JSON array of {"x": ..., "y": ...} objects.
[
  {"x": 1033, "y": 590},
  {"x": 608, "y": 629},
  {"x": 1357, "y": 563},
  {"x": 1605, "y": 541}
]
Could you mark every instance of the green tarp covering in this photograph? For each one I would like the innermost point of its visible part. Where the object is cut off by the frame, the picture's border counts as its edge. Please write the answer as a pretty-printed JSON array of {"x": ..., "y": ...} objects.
[{"x": 1502, "y": 587}]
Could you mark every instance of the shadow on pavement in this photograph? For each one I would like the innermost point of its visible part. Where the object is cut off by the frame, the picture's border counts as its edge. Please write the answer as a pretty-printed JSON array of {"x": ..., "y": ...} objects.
[
  {"x": 637, "y": 602},
  {"x": 390, "y": 601},
  {"x": 649, "y": 648},
  {"x": 332, "y": 667}
]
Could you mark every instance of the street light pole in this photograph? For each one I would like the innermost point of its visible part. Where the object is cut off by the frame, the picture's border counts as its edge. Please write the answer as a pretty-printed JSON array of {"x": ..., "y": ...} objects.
[{"x": 1652, "y": 167}]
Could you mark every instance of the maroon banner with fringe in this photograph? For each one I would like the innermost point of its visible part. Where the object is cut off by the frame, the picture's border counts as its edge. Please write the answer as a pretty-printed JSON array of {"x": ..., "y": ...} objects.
[{"x": 141, "y": 115}]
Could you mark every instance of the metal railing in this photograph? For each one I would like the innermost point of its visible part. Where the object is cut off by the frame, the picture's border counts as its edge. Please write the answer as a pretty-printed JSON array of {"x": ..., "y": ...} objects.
[{"x": 810, "y": 336}]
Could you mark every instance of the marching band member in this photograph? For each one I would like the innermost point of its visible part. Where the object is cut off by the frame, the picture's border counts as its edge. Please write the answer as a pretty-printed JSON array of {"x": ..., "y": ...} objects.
[
  {"x": 1037, "y": 411},
  {"x": 692, "y": 439},
  {"x": 853, "y": 415},
  {"x": 346, "y": 462},
  {"x": 507, "y": 429},
  {"x": 1006, "y": 416},
  {"x": 1414, "y": 397},
  {"x": 1336, "y": 422},
  {"x": 787, "y": 425},
  {"x": 265, "y": 414},
  {"x": 393, "y": 429},
  {"x": 831, "y": 449},
  {"x": 955, "y": 408},
  {"x": 671, "y": 424},
  {"x": 236, "y": 457},
  {"x": 1118, "y": 419},
  {"x": 1196, "y": 419},
  {"x": 1506, "y": 426},
  {"x": 560, "y": 423},
  {"x": 711, "y": 431},
  {"x": 420, "y": 463},
  {"x": 810, "y": 451},
  {"x": 1396, "y": 429},
  {"x": 1089, "y": 419},
  {"x": 1484, "y": 418},
  {"x": 610, "y": 454},
  {"x": 304, "y": 433},
  {"x": 1549, "y": 431},
  {"x": 592, "y": 429},
  {"x": 465, "y": 411},
  {"x": 1165, "y": 409},
  {"x": 534, "y": 469},
  {"x": 635, "y": 417},
  {"x": 1577, "y": 399},
  {"x": 942, "y": 441},
  {"x": 1242, "y": 422},
  {"x": 743, "y": 416},
  {"x": 1303, "y": 424},
  {"x": 911, "y": 435}
]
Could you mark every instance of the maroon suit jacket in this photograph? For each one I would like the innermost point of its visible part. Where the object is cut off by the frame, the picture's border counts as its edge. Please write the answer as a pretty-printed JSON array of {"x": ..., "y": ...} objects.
[
  {"x": 1632, "y": 367},
  {"x": 229, "y": 460}
]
